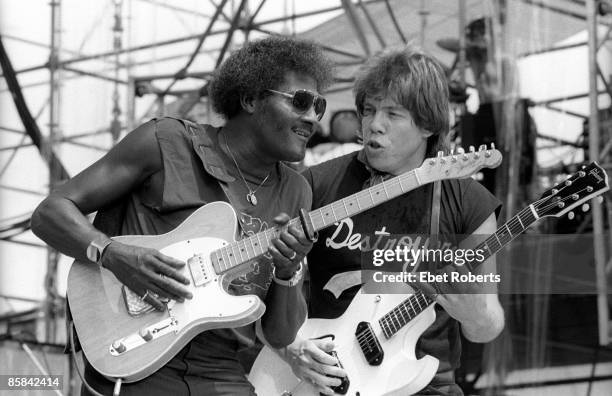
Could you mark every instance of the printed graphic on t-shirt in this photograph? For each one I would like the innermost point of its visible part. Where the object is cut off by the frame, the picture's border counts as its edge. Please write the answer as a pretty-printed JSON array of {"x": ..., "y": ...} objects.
[{"x": 258, "y": 280}]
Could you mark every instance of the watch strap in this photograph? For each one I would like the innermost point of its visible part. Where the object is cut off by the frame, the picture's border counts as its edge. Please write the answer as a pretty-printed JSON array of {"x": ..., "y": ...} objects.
[
  {"x": 96, "y": 248},
  {"x": 291, "y": 282}
]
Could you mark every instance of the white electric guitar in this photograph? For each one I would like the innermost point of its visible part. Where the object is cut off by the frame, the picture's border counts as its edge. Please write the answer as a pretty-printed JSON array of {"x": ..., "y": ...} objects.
[
  {"x": 122, "y": 338},
  {"x": 375, "y": 337}
]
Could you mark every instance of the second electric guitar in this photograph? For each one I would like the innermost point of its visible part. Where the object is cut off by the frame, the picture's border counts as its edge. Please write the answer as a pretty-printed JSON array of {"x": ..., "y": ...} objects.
[{"x": 376, "y": 336}]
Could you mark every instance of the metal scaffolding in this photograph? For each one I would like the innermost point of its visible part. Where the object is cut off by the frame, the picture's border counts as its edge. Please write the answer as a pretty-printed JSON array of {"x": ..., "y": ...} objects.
[
  {"x": 231, "y": 17},
  {"x": 596, "y": 8}
]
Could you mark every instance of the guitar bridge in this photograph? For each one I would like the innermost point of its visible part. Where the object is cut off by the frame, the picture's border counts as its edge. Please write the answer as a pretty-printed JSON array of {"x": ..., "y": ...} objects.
[
  {"x": 144, "y": 336},
  {"x": 345, "y": 383},
  {"x": 369, "y": 344}
]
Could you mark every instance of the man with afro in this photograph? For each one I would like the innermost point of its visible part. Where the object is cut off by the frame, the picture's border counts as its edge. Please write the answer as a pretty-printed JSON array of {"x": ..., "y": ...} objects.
[{"x": 269, "y": 94}]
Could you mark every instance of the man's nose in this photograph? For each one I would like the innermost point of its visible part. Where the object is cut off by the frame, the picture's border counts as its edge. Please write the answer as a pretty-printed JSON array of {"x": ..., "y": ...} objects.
[
  {"x": 377, "y": 125},
  {"x": 310, "y": 115}
]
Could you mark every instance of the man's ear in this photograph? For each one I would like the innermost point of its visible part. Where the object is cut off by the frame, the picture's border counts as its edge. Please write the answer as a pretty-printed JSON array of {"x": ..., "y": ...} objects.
[
  {"x": 247, "y": 102},
  {"x": 426, "y": 133}
]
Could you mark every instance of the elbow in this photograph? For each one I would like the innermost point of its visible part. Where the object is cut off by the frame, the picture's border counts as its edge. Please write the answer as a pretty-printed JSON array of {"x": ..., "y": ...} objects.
[
  {"x": 37, "y": 220},
  {"x": 489, "y": 331},
  {"x": 278, "y": 338}
]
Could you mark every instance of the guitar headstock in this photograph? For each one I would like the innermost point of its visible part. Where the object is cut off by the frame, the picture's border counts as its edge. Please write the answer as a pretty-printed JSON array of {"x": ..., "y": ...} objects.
[
  {"x": 587, "y": 183},
  {"x": 459, "y": 165}
]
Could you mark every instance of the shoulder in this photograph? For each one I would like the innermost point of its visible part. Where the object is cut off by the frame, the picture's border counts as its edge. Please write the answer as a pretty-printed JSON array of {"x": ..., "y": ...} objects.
[
  {"x": 295, "y": 183},
  {"x": 329, "y": 171},
  {"x": 169, "y": 128},
  {"x": 471, "y": 201}
]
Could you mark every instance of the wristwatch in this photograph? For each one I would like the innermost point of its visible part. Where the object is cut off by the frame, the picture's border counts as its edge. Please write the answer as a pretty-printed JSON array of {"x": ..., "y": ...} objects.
[
  {"x": 293, "y": 281},
  {"x": 96, "y": 248}
]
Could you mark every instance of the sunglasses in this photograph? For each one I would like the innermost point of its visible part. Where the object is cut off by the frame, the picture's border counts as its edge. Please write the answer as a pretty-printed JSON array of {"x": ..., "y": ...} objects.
[{"x": 302, "y": 100}]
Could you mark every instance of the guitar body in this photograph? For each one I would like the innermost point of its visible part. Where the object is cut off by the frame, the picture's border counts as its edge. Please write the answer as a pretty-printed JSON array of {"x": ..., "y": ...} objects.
[
  {"x": 101, "y": 316},
  {"x": 399, "y": 373}
]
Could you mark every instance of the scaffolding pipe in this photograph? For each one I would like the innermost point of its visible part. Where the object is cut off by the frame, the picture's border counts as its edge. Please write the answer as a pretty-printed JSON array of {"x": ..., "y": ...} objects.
[
  {"x": 379, "y": 36},
  {"x": 54, "y": 172},
  {"x": 395, "y": 23},
  {"x": 181, "y": 39},
  {"x": 351, "y": 14},
  {"x": 598, "y": 226}
]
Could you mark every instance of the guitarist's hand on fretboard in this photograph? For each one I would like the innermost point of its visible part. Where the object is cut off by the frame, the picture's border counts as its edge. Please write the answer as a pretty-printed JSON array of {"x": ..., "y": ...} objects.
[{"x": 147, "y": 272}]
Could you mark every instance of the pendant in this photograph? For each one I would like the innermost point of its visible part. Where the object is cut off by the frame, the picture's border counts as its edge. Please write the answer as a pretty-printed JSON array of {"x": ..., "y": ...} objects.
[{"x": 251, "y": 198}]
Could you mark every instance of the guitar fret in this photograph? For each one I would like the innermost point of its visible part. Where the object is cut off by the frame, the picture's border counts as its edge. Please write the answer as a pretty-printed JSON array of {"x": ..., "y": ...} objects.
[
  {"x": 226, "y": 259},
  {"x": 383, "y": 326},
  {"x": 486, "y": 245},
  {"x": 333, "y": 212},
  {"x": 402, "y": 311},
  {"x": 252, "y": 247},
  {"x": 411, "y": 307},
  {"x": 407, "y": 311},
  {"x": 345, "y": 208},
  {"x": 261, "y": 248},
  {"x": 371, "y": 196},
  {"x": 496, "y": 237},
  {"x": 217, "y": 265},
  {"x": 419, "y": 304},
  {"x": 320, "y": 213},
  {"x": 385, "y": 190}
]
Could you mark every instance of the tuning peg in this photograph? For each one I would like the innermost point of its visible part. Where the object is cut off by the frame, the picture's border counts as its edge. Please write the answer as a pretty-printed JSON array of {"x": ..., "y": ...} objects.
[
  {"x": 586, "y": 207},
  {"x": 492, "y": 146},
  {"x": 581, "y": 173},
  {"x": 460, "y": 150},
  {"x": 441, "y": 157},
  {"x": 571, "y": 215},
  {"x": 600, "y": 199},
  {"x": 482, "y": 147},
  {"x": 474, "y": 153}
]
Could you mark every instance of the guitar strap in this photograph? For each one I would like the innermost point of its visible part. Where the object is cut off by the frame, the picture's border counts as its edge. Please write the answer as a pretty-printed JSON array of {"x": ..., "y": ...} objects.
[{"x": 434, "y": 227}]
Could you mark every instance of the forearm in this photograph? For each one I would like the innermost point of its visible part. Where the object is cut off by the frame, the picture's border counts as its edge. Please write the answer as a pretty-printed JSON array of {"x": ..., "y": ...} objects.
[
  {"x": 59, "y": 223},
  {"x": 285, "y": 314}
]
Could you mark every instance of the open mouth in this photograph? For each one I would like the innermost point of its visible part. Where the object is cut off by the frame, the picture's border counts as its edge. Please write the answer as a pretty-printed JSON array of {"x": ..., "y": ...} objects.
[
  {"x": 305, "y": 133},
  {"x": 374, "y": 144}
]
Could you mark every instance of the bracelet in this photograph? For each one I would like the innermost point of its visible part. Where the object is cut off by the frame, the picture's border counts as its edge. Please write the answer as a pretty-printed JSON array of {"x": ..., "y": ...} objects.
[{"x": 293, "y": 281}]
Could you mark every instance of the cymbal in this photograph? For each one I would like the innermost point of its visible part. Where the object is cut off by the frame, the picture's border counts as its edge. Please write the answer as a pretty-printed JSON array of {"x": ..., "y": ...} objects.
[{"x": 452, "y": 44}]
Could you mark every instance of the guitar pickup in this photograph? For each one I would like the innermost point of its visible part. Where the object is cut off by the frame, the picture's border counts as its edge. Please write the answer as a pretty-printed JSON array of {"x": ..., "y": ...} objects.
[
  {"x": 369, "y": 344},
  {"x": 198, "y": 269}
]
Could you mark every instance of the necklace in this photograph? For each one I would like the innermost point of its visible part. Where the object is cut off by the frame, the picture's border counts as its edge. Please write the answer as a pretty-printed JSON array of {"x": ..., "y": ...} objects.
[{"x": 250, "y": 197}]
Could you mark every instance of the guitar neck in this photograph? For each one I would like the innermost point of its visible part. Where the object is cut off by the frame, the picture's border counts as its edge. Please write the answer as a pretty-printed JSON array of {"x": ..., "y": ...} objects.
[
  {"x": 364, "y": 200},
  {"x": 403, "y": 313},
  {"x": 250, "y": 248}
]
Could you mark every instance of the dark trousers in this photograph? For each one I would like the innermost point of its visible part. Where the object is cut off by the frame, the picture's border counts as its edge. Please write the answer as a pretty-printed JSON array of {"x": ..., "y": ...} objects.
[{"x": 207, "y": 366}]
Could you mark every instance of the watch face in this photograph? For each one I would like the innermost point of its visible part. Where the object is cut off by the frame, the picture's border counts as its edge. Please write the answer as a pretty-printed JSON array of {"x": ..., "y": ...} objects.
[{"x": 92, "y": 253}]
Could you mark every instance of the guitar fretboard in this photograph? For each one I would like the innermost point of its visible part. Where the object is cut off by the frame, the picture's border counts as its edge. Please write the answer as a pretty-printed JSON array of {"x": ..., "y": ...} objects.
[
  {"x": 403, "y": 313},
  {"x": 249, "y": 248}
]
